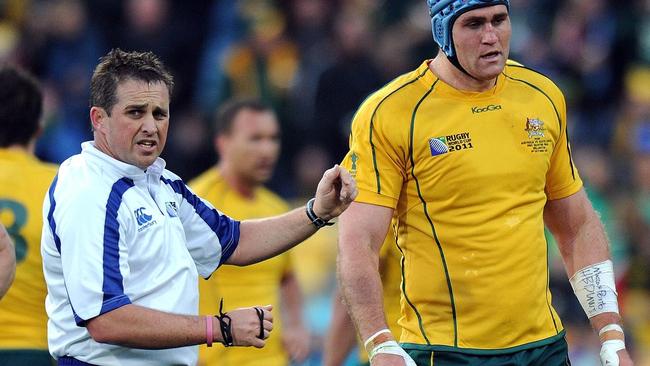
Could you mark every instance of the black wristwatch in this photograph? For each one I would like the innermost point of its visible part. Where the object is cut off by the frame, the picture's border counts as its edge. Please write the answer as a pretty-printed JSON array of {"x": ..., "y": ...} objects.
[{"x": 317, "y": 221}]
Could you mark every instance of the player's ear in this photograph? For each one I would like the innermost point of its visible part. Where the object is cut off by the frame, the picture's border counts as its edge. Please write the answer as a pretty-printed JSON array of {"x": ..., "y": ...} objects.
[
  {"x": 97, "y": 117},
  {"x": 221, "y": 143}
]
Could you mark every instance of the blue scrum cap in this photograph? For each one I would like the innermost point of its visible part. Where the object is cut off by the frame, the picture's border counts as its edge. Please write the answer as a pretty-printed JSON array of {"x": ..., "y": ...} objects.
[{"x": 445, "y": 12}]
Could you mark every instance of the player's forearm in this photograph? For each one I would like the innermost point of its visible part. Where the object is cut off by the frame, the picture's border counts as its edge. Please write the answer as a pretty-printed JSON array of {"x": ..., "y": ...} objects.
[
  {"x": 589, "y": 245},
  {"x": 601, "y": 320},
  {"x": 340, "y": 338},
  {"x": 361, "y": 287},
  {"x": 7, "y": 261},
  {"x": 266, "y": 238},
  {"x": 578, "y": 231},
  {"x": 135, "y": 326}
]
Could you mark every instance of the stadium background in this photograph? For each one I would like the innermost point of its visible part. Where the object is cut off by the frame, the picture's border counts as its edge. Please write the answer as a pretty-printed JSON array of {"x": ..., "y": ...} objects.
[{"x": 315, "y": 61}]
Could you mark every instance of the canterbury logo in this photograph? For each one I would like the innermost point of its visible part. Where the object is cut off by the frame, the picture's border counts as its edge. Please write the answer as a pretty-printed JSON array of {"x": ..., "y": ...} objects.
[
  {"x": 490, "y": 108},
  {"x": 141, "y": 217}
]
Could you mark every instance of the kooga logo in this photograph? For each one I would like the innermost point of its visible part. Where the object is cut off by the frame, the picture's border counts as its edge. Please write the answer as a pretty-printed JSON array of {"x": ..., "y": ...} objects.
[{"x": 490, "y": 108}]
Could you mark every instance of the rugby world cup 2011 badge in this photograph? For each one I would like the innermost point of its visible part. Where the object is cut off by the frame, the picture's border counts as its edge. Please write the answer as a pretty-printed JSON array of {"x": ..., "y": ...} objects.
[{"x": 438, "y": 145}]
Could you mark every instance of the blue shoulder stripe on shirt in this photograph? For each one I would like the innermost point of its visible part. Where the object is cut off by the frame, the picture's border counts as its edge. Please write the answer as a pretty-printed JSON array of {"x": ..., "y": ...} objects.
[
  {"x": 226, "y": 229},
  {"x": 57, "y": 240},
  {"x": 117, "y": 301},
  {"x": 113, "y": 285},
  {"x": 50, "y": 214}
]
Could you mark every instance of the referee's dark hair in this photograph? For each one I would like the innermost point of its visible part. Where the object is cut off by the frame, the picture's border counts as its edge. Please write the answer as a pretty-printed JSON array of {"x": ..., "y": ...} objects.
[
  {"x": 118, "y": 66},
  {"x": 21, "y": 106},
  {"x": 230, "y": 109}
]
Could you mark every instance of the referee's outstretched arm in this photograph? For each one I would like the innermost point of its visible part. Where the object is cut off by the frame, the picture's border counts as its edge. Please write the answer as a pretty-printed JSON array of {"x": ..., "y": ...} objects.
[{"x": 264, "y": 238}]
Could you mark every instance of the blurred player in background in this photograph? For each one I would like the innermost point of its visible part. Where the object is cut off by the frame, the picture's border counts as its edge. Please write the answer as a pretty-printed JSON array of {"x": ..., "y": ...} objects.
[
  {"x": 247, "y": 141},
  {"x": 23, "y": 183},
  {"x": 471, "y": 155}
]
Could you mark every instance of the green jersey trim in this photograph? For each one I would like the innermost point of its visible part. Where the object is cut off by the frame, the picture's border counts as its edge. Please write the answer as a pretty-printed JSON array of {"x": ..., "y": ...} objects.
[
  {"x": 372, "y": 124},
  {"x": 478, "y": 351},
  {"x": 433, "y": 229}
]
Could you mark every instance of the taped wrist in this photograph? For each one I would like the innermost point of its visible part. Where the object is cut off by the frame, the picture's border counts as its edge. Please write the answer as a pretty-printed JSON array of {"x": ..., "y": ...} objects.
[
  {"x": 609, "y": 351},
  {"x": 610, "y": 327},
  {"x": 595, "y": 289},
  {"x": 377, "y": 338},
  {"x": 392, "y": 348}
]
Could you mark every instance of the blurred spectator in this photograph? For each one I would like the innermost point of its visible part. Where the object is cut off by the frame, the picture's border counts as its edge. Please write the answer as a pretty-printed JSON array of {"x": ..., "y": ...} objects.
[
  {"x": 225, "y": 26},
  {"x": 309, "y": 25},
  {"x": 583, "y": 41},
  {"x": 170, "y": 30},
  {"x": 72, "y": 49},
  {"x": 265, "y": 61},
  {"x": 344, "y": 85},
  {"x": 637, "y": 217}
]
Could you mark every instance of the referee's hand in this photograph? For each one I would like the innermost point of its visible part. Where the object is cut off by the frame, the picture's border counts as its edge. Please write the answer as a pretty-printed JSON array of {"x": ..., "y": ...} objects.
[
  {"x": 247, "y": 327},
  {"x": 335, "y": 191}
]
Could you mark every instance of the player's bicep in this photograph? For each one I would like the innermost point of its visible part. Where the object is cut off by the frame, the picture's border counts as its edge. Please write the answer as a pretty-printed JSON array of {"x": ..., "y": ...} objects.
[
  {"x": 565, "y": 217},
  {"x": 364, "y": 227}
]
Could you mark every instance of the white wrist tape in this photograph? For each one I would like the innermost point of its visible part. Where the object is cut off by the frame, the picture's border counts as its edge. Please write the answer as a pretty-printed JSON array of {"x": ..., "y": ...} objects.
[
  {"x": 610, "y": 327},
  {"x": 392, "y": 348},
  {"x": 595, "y": 289},
  {"x": 372, "y": 337},
  {"x": 608, "y": 352}
]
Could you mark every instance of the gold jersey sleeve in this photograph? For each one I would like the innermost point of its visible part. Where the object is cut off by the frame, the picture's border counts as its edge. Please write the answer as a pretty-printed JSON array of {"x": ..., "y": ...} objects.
[
  {"x": 253, "y": 285},
  {"x": 24, "y": 182},
  {"x": 468, "y": 174}
]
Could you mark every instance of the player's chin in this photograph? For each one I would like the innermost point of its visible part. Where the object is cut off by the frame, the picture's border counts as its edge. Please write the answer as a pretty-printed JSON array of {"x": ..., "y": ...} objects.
[{"x": 490, "y": 71}]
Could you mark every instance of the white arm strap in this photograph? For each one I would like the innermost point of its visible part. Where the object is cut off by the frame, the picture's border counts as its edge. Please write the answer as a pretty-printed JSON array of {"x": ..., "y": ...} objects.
[
  {"x": 608, "y": 327},
  {"x": 392, "y": 348}
]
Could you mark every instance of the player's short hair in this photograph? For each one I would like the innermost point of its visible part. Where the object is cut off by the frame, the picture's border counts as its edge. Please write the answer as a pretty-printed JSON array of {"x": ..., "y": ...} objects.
[
  {"x": 229, "y": 110},
  {"x": 118, "y": 66},
  {"x": 445, "y": 12},
  {"x": 21, "y": 105}
]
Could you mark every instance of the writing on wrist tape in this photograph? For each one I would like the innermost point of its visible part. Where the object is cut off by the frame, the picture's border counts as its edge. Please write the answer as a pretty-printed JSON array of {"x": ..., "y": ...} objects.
[{"x": 595, "y": 289}]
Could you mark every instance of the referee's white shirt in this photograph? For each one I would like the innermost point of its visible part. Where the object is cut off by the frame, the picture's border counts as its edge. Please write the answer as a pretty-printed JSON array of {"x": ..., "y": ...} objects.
[{"x": 116, "y": 235}]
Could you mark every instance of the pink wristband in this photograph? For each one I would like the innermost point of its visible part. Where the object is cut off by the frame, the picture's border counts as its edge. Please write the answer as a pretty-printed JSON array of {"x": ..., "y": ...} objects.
[{"x": 208, "y": 330}]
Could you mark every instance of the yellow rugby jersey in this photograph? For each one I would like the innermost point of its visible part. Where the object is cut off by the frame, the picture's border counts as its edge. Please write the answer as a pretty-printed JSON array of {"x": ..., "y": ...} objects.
[
  {"x": 468, "y": 175},
  {"x": 23, "y": 183},
  {"x": 257, "y": 284}
]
